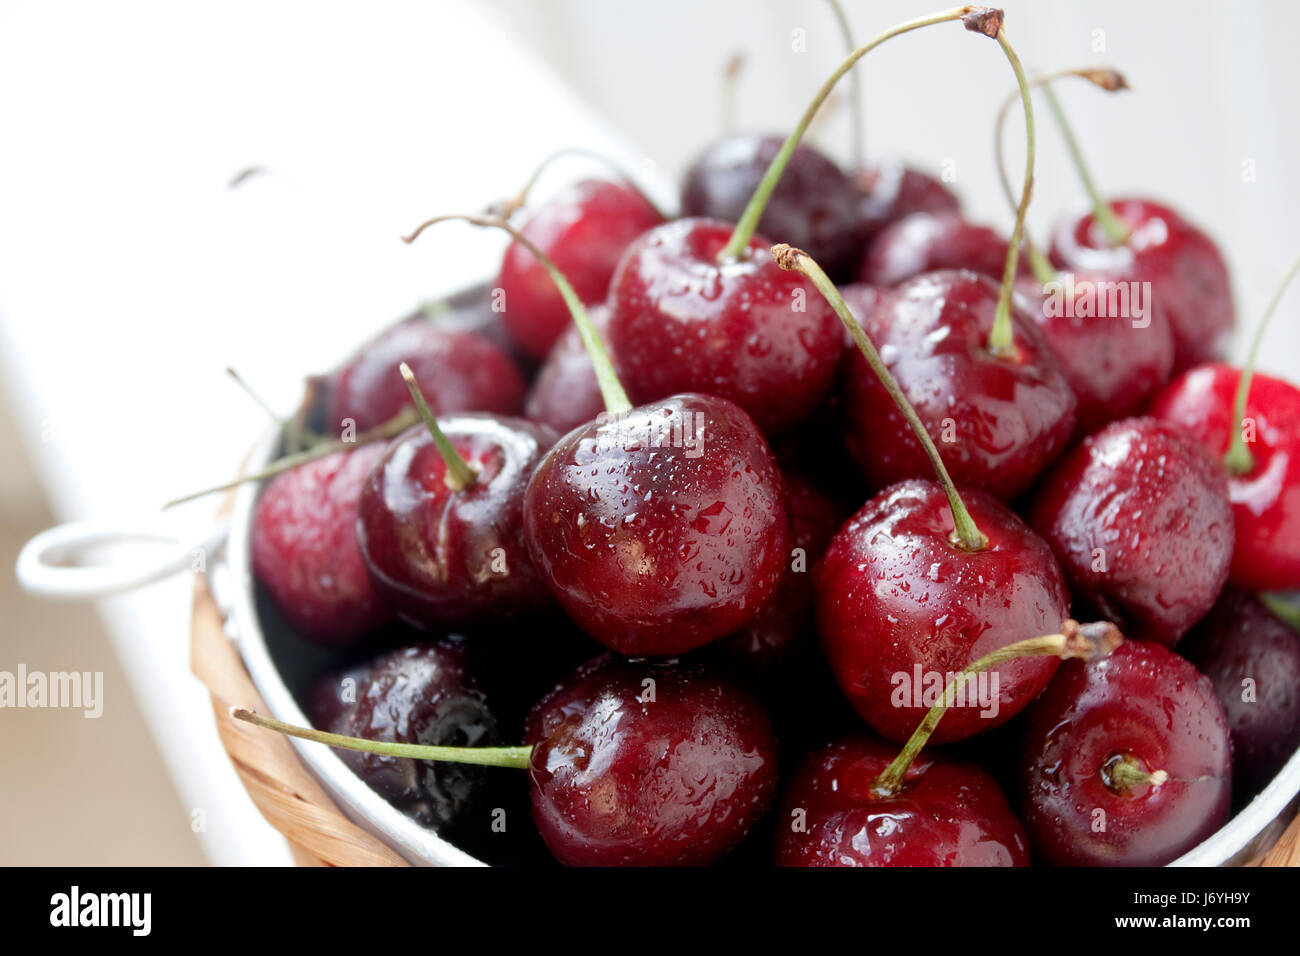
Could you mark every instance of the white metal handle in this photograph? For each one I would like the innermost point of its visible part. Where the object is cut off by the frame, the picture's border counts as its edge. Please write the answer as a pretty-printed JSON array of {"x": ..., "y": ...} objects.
[{"x": 47, "y": 565}]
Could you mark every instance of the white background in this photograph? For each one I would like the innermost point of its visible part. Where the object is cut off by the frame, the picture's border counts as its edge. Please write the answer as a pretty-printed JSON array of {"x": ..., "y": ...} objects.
[{"x": 130, "y": 275}]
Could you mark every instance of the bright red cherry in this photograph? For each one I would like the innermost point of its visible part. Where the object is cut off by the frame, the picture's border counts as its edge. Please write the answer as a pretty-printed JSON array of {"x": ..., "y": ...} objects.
[
  {"x": 459, "y": 371},
  {"x": 305, "y": 553},
  {"x": 565, "y": 393},
  {"x": 1138, "y": 516},
  {"x": 642, "y": 764},
  {"x": 446, "y": 548},
  {"x": 745, "y": 330},
  {"x": 901, "y": 606},
  {"x": 892, "y": 191},
  {"x": 1253, "y": 660},
  {"x": 998, "y": 420},
  {"x": 814, "y": 206},
  {"x": 1186, "y": 270},
  {"x": 660, "y": 529},
  {"x": 1127, "y": 761},
  {"x": 584, "y": 230},
  {"x": 1266, "y": 498},
  {"x": 928, "y": 242},
  {"x": 949, "y": 814}
]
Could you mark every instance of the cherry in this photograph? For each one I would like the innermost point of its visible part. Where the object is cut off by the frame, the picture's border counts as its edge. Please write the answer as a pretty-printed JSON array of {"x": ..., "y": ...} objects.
[
  {"x": 951, "y": 814},
  {"x": 1127, "y": 761},
  {"x": 304, "y": 549},
  {"x": 1138, "y": 516},
  {"x": 1253, "y": 422},
  {"x": 926, "y": 242},
  {"x": 420, "y": 694},
  {"x": 892, "y": 191},
  {"x": 814, "y": 206},
  {"x": 1253, "y": 660},
  {"x": 743, "y": 330},
  {"x": 854, "y": 803},
  {"x": 661, "y": 529},
  {"x": 459, "y": 371},
  {"x": 584, "y": 231},
  {"x": 631, "y": 763},
  {"x": 565, "y": 393},
  {"x": 1002, "y": 420},
  {"x": 913, "y": 586},
  {"x": 440, "y": 520}
]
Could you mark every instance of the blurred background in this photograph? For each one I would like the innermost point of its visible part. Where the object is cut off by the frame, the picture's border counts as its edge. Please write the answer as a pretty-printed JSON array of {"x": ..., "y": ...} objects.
[{"x": 131, "y": 275}]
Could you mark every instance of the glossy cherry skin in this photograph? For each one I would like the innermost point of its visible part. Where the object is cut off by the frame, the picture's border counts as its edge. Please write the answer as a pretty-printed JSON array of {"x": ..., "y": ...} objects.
[
  {"x": 420, "y": 694},
  {"x": 1114, "y": 358},
  {"x": 645, "y": 764},
  {"x": 786, "y": 625},
  {"x": 446, "y": 559},
  {"x": 814, "y": 206},
  {"x": 948, "y": 813},
  {"x": 891, "y": 191},
  {"x": 584, "y": 230},
  {"x": 1265, "y": 500},
  {"x": 1138, "y": 516},
  {"x": 747, "y": 331},
  {"x": 1253, "y": 660},
  {"x": 653, "y": 542},
  {"x": 565, "y": 393},
  {"x": 305, "y": 553},
  {"x": 1186, "y": 270},
  {"x": 458, "y": 371},
  {"x": 928, "y": 242},
  {"x": 894, "y": 594},
  {"x": 1142, "y": 704},
  {"x": 997, "y": 422}
]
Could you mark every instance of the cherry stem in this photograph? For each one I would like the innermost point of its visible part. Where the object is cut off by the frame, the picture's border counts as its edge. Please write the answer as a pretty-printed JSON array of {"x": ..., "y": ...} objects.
[
  {"x": 1123, "y": 774},
  {"x": 1086, "y": 642},
  {"x": 460, "y": 473},
  {"x": 1103, "y": 77},
  {"x": 516, "y": 757},
  {"x": 384, "y": 432},
  {"x": 1001, "y": 336},
  {"x": 1287, "y": 612},
  {"x": 731, "y": 71},
  {"x": 979, "y": 19},
  {"x": 616, "y": 400},
  {"x": 508, "y": 207},
  {"x": 258, "y": 400},
  {"x": 859, "y": 142},
  {"x": 1102, "y": 214},
  {"x": 1239, "y": 460},
  {"x": 966, "y": 533}
]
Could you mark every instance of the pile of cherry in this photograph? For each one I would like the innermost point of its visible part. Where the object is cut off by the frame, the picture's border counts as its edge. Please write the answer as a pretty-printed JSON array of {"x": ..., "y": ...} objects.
[{"x": 789, "y": 493}]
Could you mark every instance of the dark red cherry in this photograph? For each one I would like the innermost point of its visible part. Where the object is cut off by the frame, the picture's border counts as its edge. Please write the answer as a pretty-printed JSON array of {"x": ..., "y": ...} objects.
[
  {"x": 305, "y": 553},
  {"x": 785, "y": 626},
  {"x": 901, "y": 608},
  {"x": 1138, "y": 516},
  {"x": 423, "y": 694},
  {"x": 928, "y": 242},
  {"x": 1127, "y": 761},
  {"x": 644, "y": 764},
  {"x": 997, "y": 421},
  {"x": 949, "y": 814},
  {"x": 584, "y": 230},
  {"x": 565, "y": 393},
  {"x": 814, "y": 206},
  {"x": 891, "y": 191},
  {"x": 1253, "y": 660},
  {"x": 447, "y": 559},
  {"x": 1266, "y": 499},
  {"x": 661, "y": 529},
  {"x": 458, "y": 370},
  {"x": 747, "y": 331},
  {"x": 1114, "y": 345},
  {"x": 1186, "y": 270}
]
